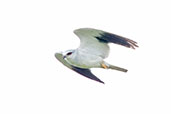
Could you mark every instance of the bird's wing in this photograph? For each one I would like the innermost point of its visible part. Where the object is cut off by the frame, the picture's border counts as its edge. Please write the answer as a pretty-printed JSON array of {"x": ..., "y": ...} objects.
[
  {"x": 85, "y": 72},
  {"x": 96, "y": 41}
]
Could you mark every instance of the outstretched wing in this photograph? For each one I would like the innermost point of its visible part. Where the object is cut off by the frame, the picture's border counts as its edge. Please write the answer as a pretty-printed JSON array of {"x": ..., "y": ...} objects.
[
  {"x": 95, "y": 41},
  {"x": 85, "y": 72}
]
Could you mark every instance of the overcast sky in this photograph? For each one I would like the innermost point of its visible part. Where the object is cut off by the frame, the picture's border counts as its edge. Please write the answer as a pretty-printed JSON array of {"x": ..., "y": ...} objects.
[{"x": 32, "y": 81}]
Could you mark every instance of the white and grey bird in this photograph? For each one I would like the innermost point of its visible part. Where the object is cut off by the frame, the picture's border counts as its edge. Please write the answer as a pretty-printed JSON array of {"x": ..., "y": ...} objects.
[{"x": 92, "y": 51}]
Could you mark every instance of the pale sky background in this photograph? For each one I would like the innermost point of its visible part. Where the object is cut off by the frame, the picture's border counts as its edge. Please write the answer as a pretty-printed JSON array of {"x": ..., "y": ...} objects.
[{"x": 32, "y": 81}]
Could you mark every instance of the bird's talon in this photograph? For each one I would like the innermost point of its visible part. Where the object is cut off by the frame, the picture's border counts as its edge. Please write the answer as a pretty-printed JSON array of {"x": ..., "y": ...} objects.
[{"x": 104, "y": 66}]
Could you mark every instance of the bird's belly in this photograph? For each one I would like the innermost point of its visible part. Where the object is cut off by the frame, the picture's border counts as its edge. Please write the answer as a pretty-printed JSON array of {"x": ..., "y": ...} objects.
[{"x": 86, "y": 61}]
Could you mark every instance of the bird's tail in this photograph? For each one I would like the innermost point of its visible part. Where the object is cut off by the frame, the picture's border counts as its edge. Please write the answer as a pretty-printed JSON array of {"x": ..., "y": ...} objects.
[{"x": 117, "y": 68}]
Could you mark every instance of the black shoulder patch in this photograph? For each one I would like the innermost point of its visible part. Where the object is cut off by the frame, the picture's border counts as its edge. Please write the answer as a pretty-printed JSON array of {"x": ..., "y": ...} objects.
[{"x": 101, "y": 40}]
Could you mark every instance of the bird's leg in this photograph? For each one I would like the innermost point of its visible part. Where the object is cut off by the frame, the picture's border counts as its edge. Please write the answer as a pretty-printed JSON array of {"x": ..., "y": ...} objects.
[{"x": 104, "y": 66}]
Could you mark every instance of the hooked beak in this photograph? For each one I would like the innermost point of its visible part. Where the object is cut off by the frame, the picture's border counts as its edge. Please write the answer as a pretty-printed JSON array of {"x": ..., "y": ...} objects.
[{"x": 64, "y": 57}]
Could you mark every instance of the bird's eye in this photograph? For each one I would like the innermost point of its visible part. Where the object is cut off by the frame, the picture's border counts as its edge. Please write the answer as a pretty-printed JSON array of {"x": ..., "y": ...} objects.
[{"x": 69, "y": 53}]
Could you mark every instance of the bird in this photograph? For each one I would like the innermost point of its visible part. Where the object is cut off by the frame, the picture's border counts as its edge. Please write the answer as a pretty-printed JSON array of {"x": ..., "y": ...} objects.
[{"x": 92, "y": 51}]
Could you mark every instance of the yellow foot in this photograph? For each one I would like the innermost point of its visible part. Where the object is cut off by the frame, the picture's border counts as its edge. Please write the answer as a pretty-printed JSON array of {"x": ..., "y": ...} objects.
[{"x": 104, "y": 66}]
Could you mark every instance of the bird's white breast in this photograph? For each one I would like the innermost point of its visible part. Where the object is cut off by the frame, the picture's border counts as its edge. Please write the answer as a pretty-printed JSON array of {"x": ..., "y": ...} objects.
[{"x": 84, "y": 59}]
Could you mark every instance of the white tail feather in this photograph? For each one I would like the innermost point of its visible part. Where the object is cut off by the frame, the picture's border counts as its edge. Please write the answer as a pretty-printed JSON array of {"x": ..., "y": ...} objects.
[{"x": 117, "y": 68}]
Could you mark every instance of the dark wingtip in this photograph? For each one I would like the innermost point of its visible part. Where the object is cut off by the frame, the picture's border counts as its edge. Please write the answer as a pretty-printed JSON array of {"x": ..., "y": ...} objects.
[
  {"x": 87, "y": 73},
  {"x": 107, "y": 37},
  {"x": 132, "y": 44},
  {"x": 101, "y": 82}
]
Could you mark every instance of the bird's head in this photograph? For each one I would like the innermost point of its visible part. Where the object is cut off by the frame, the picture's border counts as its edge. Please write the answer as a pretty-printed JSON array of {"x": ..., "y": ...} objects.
[{"x": 68, "y": 54}]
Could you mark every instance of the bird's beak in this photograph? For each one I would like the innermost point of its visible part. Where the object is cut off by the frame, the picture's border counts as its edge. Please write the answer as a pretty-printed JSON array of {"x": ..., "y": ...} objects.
[{"x": 64, "y": 57}]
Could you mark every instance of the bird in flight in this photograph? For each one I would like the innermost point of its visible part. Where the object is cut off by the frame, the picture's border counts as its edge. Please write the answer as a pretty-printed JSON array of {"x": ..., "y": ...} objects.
[{"x": 92, "y": 51}]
